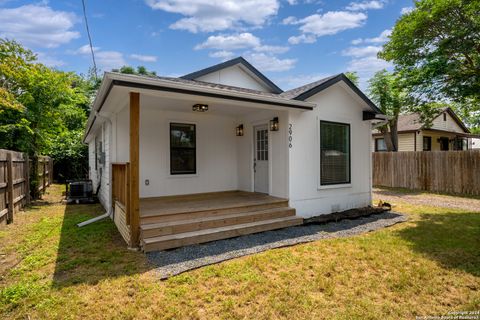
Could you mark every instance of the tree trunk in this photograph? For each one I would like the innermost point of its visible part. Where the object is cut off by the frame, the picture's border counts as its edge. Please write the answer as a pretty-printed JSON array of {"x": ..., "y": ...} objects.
[
  {"x": 394, "y": 133},
  {"x": 388, "y": 140}
]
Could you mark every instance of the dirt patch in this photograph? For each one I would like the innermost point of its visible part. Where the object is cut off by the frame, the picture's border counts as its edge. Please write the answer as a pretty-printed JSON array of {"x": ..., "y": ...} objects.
[{"x": 427, "y": 199}]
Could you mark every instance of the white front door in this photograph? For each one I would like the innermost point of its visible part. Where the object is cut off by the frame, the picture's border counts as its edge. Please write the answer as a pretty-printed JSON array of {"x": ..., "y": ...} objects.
[{"x": 260, "y": 161}]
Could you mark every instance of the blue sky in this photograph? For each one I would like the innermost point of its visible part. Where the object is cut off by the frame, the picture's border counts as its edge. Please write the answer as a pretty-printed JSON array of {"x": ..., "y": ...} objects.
[{"x": 292, "y": 41}]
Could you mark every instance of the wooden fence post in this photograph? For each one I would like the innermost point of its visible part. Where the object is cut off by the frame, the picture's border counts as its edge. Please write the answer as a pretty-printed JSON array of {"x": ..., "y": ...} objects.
[
  {"x": 26, "y": 175},
  {"x": 44, "y": 175},
  {"x": 11, "y": 205}
]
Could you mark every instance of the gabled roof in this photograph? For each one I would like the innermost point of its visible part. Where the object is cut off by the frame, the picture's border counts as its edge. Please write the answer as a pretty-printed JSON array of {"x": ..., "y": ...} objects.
[
  {"x": 413, "y": 122},
  {"x": 240, "y": 60},
  {"x": 304, "y": 92}
]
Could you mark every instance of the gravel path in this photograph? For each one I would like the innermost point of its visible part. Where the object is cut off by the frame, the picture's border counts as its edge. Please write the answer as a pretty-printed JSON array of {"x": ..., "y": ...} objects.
[
  {"x": 176, "y": 261},
  {"x": 428, "y": 199}
]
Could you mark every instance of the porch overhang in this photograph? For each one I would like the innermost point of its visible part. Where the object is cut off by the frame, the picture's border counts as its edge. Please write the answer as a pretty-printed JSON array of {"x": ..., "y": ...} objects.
[{"x": 173, "y": 86}]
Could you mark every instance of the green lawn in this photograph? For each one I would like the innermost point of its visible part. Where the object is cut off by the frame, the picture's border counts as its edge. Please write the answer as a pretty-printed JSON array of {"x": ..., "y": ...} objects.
[{"x": 53, "y": 270}]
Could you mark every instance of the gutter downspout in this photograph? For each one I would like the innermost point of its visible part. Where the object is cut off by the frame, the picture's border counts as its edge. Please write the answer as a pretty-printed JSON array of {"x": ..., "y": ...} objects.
[{"x": 110, "y": 213}]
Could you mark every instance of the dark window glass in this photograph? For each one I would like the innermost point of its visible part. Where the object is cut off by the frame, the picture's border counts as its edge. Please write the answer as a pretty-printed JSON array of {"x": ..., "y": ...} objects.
[
  {"x": 380, "y": 144},
  {"x": 334, "y": 153},
  {"x": 444, "y": 143},
  {"x": 427, "y": 143},
  {"x": 182, "y": 148}
]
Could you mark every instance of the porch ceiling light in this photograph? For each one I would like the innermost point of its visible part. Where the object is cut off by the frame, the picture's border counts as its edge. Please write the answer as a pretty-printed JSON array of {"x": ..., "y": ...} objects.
[
  {"x": 274, "y": 124},
  {"x": 200, "y": 107},
  {"x": 239, "y": 130}
]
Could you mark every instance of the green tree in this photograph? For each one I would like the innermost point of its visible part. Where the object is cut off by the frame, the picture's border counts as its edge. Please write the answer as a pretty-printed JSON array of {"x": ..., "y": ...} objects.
[
  {"x": 42, "y": 110},
  {"x": 353, "y": 76},
  {"x": 141, "y": 70},
  {"x": 436, "y": 48},
  {"x": 387, "y": 91}
]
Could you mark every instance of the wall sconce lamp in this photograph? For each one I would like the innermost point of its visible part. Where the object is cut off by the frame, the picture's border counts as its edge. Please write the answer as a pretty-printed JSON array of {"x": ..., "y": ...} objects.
[
  {"x": 200, "y": 107},
  {"x": 239, "y": 130},
  {"x": 274, "y": 124}
]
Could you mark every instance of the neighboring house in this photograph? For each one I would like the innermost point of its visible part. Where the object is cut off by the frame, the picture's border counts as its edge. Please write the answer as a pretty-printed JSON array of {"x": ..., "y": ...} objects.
[
  {"x": 223, "y": 152},
  {"x": 447, "y": 132}
]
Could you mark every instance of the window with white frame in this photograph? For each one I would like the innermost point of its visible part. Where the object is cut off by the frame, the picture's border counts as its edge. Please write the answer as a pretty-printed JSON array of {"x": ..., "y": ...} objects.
[{"x": 334, "y": 153}]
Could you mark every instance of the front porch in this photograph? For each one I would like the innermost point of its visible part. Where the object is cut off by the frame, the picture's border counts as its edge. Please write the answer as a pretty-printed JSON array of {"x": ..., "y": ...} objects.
[
  {"x": 168, "y": 191},
  {"x": 175, "y": 221}
]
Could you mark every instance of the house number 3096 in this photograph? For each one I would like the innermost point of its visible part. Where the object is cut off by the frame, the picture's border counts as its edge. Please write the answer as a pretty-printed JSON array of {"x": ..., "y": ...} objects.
[{"x": 290, "y": 135}]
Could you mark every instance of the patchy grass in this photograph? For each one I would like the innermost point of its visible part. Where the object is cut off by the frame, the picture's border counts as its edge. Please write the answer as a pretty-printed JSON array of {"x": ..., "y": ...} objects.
[{"x": 53, "y": 270}]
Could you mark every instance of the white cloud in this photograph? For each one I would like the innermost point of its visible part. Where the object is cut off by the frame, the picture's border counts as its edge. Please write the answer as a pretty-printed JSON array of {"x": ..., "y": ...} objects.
[
  {"x": 224, "y": 55},
  {"x": 292, "y": 2},
  {"x": 143, "y": 58},
  {"x": 85, "y": 49},
  {"x": 38, "y": 25},
  {"x": 383, "y": 37},
  {"x": 365, "y": 62},
  {"x": 295, "y": 81},
  {"x": 290, "y": 20},
  {"x": 330, "y": 23},
  {"x": 266, "y": 62},
  {"x": 271, "y": 49},
  {"x": 365, "y": 5},
  {"x": 215, "y": 15},
  {"x": 406, "y": 10},
  {"x": 358, "y": 52},
  {"x": 106, "y": 60},
  {"x": 303, "y": 38},
  {"x": 230, "y": 42}
]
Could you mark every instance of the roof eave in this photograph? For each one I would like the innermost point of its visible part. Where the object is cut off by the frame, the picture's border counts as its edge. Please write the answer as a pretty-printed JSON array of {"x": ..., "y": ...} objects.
[
  {"x": 341, "y": 77},
  {"x": 111, "y": 79}
]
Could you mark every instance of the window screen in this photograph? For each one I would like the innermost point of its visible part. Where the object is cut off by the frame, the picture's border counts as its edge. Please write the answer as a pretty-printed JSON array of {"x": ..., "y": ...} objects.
[
  {"x": 182, "y": 149},
  {"x": 380, "y": 144},
  {"x": 334, "y": 153}
]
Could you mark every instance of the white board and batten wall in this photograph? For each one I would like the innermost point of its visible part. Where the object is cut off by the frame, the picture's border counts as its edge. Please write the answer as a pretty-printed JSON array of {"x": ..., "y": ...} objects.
[
  {"x": 306, "y": 193},
  {"x": 100, "y": 169}
]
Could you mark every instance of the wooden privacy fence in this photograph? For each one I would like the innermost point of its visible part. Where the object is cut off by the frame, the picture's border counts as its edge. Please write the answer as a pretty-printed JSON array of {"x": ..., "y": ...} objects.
[
  {"x": 15, "y": 168},
  {"x": 439, "y": 171}
]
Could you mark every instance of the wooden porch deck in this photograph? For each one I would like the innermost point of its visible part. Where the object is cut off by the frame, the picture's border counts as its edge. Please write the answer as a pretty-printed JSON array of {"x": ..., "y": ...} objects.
[
  {"x": 175, "y": 221},
  {"x": 171, "y": 205}
]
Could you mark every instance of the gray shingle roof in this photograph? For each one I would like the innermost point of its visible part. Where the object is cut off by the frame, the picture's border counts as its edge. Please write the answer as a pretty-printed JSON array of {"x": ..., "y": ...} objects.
[
  {"x": 293, "y": 93},
  {"x": 410, "y": 121}
]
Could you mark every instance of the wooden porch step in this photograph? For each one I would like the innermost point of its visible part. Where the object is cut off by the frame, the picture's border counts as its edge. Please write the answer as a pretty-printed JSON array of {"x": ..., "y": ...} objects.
[
  {"x": 207, "y": 235},
  {"x": 182, "y": 226},
  {"x": 194, "y": 213}
]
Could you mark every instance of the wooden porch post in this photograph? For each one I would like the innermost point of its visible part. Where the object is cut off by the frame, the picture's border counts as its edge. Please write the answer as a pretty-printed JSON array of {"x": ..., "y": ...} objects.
[{"x": 134, "y": 168}]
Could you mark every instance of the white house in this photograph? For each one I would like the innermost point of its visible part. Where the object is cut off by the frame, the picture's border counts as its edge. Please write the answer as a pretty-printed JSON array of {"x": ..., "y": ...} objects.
[{"x": 223, "y": 152}]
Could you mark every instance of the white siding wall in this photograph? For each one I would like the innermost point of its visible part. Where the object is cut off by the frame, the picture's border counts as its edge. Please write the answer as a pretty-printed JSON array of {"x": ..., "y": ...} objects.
[
  {"x": 448, "y": 125},
  {"x": 333, "y": 104},
  {"x": 406, "y": 141},
  {"x": 101, "y": 173},
  {"x": 91, "y": 163},
  {"x": 233, "y": 76}
]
